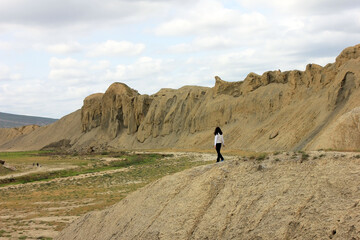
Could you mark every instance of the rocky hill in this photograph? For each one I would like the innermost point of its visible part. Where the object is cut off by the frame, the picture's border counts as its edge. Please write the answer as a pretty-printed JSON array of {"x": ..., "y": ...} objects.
[
  {"x": 312, "y": 109},
  {"x": 283, "y": 197}
]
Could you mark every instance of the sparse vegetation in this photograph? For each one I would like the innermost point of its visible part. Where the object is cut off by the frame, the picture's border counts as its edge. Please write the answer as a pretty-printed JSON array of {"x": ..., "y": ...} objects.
[
  {"x": 261, "y": 157},
  {"x": 304, "y": 156},
  {"x": 130, "y": 160},
  {"x": 69, "y": 192}
]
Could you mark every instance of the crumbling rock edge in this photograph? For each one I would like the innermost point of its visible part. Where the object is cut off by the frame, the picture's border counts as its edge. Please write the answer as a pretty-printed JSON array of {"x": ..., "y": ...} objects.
[{"x": 302, "y": 106}]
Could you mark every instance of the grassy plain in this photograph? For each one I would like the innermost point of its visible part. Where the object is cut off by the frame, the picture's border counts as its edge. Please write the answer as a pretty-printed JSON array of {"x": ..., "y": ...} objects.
[{"x": 37, "y": 202}]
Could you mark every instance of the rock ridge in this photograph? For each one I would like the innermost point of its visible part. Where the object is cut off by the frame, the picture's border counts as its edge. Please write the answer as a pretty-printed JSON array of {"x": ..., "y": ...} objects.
[{"x": 295, "y": 108}]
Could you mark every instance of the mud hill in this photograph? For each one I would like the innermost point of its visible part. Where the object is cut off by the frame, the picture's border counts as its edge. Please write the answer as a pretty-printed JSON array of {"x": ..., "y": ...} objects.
[
  {"x": 7, "y": 134},
  {"x": 312, "y": 109},
  {"x": 284, "y": 197}
]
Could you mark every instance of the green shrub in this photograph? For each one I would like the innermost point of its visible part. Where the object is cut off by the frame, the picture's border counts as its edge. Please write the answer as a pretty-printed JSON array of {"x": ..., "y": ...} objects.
[
  {"x": 304, "y": 156},
  {"x": 261, "y": 157}
]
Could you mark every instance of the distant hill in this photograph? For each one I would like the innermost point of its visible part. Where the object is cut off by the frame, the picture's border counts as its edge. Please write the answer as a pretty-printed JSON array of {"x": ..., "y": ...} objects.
[{"x": 8, "y": 120}]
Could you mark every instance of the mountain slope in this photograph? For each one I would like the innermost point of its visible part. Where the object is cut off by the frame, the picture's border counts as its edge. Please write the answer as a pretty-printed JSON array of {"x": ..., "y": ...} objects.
[
  {"x": 68, "y": 127},
  {"x": 289, "y": 110},
  {"x": 8, "y": 120},
  {"x": 283, "y": 198}
]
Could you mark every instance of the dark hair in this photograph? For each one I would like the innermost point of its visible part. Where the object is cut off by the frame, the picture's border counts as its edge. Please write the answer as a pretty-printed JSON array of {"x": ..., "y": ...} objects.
[{"x": 217, "y": 131}]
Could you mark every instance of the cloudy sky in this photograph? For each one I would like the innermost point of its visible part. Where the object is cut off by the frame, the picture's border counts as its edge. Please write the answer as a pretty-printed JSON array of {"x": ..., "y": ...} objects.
[{"x": 54, "y": 53}]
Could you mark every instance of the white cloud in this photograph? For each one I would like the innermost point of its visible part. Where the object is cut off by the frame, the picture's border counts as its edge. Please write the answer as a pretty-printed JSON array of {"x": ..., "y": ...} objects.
[
  {"x": 5, "y": 45},
  {"x": 69, "y": 70},
  {"x": 49, "y": 13},
  {"x": 67, "y": 63},
  {"x": 7, "y": 74},
  {"x": 211, "y": 17},
  {"x": 115, "y": 48},
  {"x": 65, "y": 48},
  {"x": 304, "y": 7},
  {"x": 204, "y": 43},
  {"x": 101, "y": 65},
  {"x": 144, "y": 67}
]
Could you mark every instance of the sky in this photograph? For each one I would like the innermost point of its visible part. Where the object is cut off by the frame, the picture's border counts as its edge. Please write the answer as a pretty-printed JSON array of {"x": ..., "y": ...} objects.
[{"x": 54, "y": 53}]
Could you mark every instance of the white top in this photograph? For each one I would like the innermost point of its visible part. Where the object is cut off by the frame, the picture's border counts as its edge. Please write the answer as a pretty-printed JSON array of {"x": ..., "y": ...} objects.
[{"x": 219, "y": 139}]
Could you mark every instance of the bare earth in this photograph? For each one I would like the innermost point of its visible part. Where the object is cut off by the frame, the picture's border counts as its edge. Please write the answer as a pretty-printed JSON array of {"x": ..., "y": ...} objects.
[
  {"x": 42, "y": 209},
  {"x": 284, "y": 196}
]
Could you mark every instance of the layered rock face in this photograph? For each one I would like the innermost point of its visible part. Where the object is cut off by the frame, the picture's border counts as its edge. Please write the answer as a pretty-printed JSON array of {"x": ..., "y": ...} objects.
[
  {"x": 119, "y": 108},
  {"x": 274, "y": 111},
  {"x": 277, "y": 110}
]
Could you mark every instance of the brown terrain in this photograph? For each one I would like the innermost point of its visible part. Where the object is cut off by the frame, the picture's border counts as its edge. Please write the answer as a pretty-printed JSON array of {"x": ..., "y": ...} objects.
[
  {"x": 283, "y": 195},
  {"x": 312, "y": 109}
]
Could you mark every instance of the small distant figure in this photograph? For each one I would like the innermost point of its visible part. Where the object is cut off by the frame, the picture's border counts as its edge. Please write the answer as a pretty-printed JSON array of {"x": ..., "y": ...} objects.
[
  {"x": 219, "y": 141},
  {"x": 37, "y": 164}
]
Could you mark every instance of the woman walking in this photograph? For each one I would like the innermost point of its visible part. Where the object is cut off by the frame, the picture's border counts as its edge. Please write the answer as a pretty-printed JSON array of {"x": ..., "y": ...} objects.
[{"x": 219, "y": 140}]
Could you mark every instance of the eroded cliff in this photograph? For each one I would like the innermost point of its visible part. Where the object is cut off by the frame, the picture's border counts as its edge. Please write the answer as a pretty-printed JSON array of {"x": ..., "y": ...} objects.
[
  {"x": 272, "y": 111},
  {"x": 277, "y": 110}
]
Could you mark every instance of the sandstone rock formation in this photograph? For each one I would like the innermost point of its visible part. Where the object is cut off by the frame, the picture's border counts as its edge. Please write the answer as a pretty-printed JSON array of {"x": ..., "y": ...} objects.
[
  {"x": 289, "y": 110},
  {"x": 279, "y": 199}
]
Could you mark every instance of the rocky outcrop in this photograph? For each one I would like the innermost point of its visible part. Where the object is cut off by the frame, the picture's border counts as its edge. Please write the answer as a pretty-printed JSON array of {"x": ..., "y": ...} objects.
[
  {"x": 277, "y": 110},
  {"x": 119, "y": 108},
  {"x": 348, "y": 54}
]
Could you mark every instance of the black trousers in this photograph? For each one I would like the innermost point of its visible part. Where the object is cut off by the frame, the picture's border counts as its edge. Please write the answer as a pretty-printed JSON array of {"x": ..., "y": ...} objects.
[{"x": 219, "y": 157}]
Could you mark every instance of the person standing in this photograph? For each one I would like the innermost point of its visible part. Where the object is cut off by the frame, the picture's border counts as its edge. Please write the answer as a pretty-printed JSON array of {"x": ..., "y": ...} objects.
[{"x": 219, "y": 141}]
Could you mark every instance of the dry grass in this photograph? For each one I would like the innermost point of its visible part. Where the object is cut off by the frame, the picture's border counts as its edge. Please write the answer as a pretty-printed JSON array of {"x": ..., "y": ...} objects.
[{"x": 42, "y": 208}]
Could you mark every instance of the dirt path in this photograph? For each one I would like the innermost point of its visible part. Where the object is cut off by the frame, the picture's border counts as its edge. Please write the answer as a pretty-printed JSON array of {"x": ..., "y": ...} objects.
[
  {"x": 81, "y": 176},
  {"x": 37, "y": 170}
]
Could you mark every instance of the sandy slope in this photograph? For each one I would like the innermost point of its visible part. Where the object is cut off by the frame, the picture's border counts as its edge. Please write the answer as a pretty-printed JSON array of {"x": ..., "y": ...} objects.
[
  {"x": 68, "y": 127},
  {"x": 283, "y": 197},
  {"x": 8, "y": 134}
]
